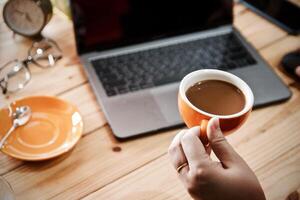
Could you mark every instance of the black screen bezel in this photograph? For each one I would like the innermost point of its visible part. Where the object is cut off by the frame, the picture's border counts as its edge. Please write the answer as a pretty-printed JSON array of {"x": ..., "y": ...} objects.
[{"x": 81, "y": 49}]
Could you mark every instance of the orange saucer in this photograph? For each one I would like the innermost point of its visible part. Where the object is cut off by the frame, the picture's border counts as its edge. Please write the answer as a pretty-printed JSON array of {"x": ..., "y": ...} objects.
[{"x": 54, "y": 128}]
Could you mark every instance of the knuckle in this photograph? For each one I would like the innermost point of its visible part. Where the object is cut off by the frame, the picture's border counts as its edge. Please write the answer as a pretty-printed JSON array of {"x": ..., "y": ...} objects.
[
  {"x": 206, "y": 158},
  {"x": 171, "y": 149},
  {"x": 218, "y": 140},
  {"x": 198, "y": 176}
]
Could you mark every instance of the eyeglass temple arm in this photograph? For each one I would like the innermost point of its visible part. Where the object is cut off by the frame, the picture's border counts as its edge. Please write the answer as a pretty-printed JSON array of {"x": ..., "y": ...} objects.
[{"x": 3, "y": 87}]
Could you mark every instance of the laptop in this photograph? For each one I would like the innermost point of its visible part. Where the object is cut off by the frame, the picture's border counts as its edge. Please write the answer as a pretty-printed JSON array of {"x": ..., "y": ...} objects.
[{"x": 135, "y": 52}]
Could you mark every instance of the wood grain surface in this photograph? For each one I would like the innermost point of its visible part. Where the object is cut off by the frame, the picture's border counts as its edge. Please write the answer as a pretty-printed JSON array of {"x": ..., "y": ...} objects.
[{"x": 269, "y": 141}]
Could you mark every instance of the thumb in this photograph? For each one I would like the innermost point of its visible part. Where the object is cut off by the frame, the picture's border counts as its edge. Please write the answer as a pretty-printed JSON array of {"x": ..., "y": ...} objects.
[
  {"x": 297, "y": 71},
  {"x": 223, "y": 150}
]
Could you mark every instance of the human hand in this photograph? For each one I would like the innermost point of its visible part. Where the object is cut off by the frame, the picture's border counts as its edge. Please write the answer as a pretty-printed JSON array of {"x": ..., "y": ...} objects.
[
  {"x": 205, "y": 179},
  {"x": 297, "y": 71}
]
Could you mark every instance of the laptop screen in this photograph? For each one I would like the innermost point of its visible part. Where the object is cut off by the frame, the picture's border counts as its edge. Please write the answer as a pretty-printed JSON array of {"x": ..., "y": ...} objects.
[{"x": 107, "y": 24}]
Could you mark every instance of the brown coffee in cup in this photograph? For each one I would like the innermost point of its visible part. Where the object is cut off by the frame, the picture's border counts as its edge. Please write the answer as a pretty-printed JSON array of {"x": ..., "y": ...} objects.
[{"x": 216, "y": 97}]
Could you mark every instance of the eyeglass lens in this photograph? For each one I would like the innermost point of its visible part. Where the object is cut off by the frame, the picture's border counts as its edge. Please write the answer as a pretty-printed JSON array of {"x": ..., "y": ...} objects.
[
  {"x": 45, "y": 53},
  {"x": 14, "y": 76}
]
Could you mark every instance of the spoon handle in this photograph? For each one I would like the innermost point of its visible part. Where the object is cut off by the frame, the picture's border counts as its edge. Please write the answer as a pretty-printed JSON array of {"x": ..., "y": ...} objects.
[{"x": 7, "y": 135}]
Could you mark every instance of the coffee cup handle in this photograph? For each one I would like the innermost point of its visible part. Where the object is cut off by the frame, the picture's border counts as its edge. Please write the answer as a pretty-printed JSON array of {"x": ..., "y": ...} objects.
[{"x": 203, "y": 132}]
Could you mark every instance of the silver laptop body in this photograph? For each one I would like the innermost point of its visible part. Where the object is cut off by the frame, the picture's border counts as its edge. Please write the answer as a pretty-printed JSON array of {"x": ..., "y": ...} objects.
[{"x": 152, "y": 109}]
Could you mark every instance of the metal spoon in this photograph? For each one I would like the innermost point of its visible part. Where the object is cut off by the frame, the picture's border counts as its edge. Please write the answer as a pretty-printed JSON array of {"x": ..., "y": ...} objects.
[{"x": 20, "y": 117}]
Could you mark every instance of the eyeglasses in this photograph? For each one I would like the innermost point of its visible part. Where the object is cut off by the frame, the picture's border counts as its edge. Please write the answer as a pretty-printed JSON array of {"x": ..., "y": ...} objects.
[{"x": 16, "y": 74}]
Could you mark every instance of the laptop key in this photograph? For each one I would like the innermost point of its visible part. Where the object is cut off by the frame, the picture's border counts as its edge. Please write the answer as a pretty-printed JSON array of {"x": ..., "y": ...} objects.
[
  {"x": 110, "y": 92},
  {"x": 164, "y": 65}
]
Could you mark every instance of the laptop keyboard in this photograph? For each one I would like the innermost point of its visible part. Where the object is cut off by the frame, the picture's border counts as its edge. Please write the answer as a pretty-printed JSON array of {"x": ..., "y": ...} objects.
[{"x": 155, "y": 67}]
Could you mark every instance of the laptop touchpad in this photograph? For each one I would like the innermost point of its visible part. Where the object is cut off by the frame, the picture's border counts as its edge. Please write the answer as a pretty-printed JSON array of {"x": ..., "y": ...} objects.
[
  {"x": 133, "y": 114},
  {"x": 166, "y": 99}
]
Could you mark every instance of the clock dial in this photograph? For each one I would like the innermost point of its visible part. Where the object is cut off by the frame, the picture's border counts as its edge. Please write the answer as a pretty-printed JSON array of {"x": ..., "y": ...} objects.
[{"x": 24, "y": 16}]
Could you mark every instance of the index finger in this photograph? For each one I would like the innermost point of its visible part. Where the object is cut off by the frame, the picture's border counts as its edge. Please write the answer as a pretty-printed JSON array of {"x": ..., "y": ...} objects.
[{"x": 193, "y": 148}]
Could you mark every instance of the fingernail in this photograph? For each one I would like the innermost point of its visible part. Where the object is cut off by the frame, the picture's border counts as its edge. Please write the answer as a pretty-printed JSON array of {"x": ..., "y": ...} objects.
[
  {"x": 217, "y": 129},
  {"x": 216, "y": 123},
  {"x": 213, "y": 126},
  {"x": 297, "y": 71}
]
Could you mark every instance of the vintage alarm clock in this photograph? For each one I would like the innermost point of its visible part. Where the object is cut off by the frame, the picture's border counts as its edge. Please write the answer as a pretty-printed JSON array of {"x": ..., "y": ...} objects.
[{"x": 27, "y": 17}]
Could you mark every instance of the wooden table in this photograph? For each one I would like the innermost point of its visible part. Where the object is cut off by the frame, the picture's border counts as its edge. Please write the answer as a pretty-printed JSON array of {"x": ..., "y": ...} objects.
[{"x": 269, "y": 142}]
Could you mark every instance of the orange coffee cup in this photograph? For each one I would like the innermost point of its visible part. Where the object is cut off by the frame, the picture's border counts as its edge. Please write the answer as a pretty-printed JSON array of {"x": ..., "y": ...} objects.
[{"x": 193, "y": 116}]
